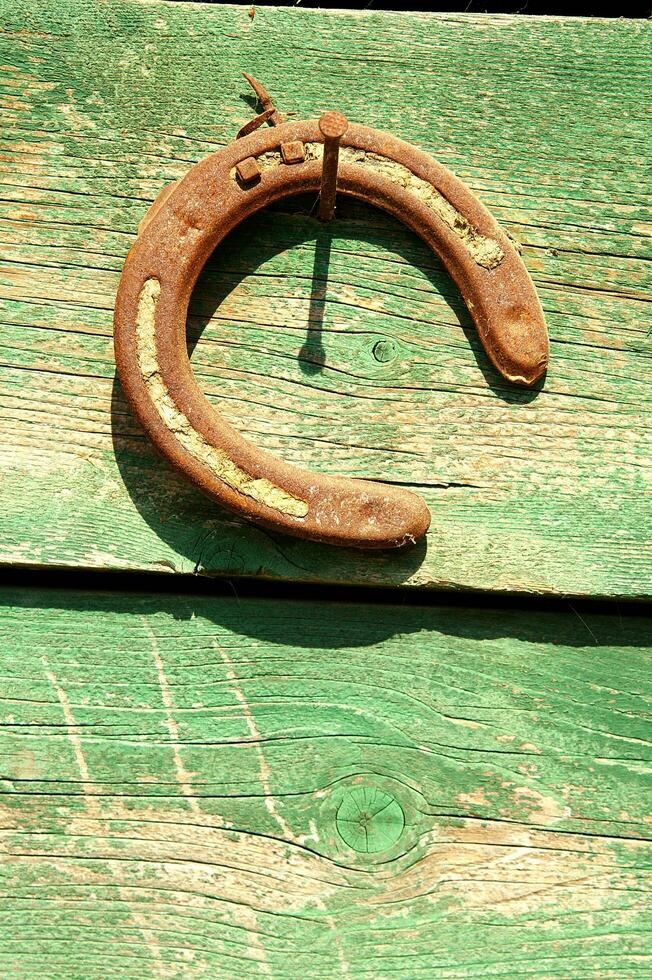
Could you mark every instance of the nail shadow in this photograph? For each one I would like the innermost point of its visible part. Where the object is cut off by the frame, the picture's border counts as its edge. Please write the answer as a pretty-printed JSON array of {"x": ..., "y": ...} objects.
[
  {"x": 251, "y": 101},
  {"x": 312, "y": 356}
]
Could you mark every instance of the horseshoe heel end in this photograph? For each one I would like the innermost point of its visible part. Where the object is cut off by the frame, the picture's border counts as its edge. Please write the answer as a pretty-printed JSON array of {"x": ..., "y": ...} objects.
[
  {"x": 362, "y": 514},
  {"x": 523, "y": 343},
  {"x": 524, "y": 358},
  {"x": 512, "y": 326}
]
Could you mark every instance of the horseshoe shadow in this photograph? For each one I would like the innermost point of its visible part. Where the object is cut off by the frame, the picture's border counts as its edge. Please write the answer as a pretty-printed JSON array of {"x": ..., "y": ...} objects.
[{"x": 207, "y": 538}]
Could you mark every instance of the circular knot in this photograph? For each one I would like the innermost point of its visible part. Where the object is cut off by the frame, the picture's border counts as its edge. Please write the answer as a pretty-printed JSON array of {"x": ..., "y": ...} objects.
[{"x": 369, "y": 819}]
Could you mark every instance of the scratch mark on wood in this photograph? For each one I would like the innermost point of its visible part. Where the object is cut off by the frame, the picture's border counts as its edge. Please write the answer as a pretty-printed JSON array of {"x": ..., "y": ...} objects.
[
  {"x": 72, "y": 731},
  {"x": 182, "y": 774},
  {"x": 92, "y": 806},
  {"x": 270, "y": 802}
]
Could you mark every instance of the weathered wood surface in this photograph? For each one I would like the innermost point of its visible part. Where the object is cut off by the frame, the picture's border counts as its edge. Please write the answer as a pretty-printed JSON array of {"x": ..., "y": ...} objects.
[
  {"x": 344, "y": 349},
  {"x": 180, "y": 777}
]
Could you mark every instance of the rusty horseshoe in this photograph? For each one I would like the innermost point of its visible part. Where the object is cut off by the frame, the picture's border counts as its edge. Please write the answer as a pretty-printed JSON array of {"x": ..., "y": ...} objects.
[{"x": 190, "y": 218}]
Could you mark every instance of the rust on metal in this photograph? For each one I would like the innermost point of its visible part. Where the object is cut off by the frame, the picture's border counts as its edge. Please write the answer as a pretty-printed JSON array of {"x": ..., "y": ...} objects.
[
  {"x": 265, "y": 99},
  {"x": 187, "y": 222},
  {"x": 294, "y": 152},
  {"x": 248, "y": 170},
  {"x": 332, "y": 126},
  {"x": 255, "y": 123}
]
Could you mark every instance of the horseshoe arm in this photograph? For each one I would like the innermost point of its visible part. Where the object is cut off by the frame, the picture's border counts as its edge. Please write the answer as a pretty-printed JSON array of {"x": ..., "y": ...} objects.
[
  {"x": 480, "y": 257},
  {"x": 179, "y": 233}
]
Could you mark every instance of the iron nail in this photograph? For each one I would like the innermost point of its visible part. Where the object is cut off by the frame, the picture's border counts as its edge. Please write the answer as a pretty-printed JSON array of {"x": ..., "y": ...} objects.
[{"x": 332, "y": 126}]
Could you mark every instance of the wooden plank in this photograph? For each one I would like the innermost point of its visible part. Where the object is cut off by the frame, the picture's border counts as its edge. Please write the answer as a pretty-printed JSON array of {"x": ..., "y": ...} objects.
[
  {"x": 182, "y": 781},
  {"x": 350, "y": 353}
]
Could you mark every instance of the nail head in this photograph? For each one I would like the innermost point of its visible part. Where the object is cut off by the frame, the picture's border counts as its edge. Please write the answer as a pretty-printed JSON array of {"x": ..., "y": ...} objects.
[
  {"x": 293, "y": 152},
  {"x": 333, "y": 125},
  {"x": 248, "y": 170}
]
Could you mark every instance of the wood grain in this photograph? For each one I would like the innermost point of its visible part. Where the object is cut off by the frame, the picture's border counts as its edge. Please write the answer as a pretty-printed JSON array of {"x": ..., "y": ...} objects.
[
  {"x": 184, "y": 784},
  {"x": 346, "y": 349}
]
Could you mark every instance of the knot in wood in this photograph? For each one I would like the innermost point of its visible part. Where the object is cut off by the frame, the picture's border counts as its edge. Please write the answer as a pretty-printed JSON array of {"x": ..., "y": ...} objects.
[
  {"x": 369, "y": 819},
  {"x": 384, "y": 350}
]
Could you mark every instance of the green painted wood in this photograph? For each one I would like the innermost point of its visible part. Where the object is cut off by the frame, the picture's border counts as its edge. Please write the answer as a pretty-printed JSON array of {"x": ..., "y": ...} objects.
[
  {"x": 185, "y": 786},
  {"x": 346, "y": 349}
]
